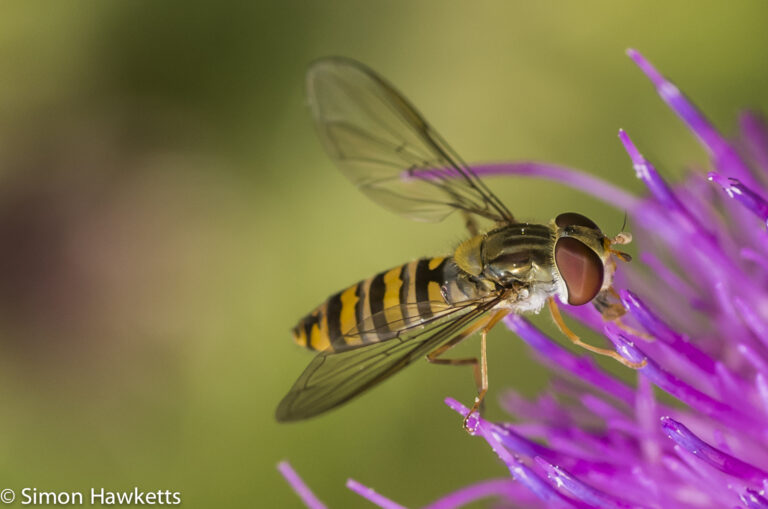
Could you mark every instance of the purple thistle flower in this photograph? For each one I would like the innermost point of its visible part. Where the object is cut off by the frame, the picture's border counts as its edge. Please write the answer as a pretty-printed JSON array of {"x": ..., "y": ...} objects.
[{"x": 595, "y": 441}]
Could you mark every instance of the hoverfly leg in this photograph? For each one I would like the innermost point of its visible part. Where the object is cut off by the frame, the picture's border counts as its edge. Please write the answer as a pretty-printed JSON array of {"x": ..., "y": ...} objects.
[
  {"x": 608, "y": 303},
  {"x": 479, "y": 367},
  {"x": 483, "y": 387},
  {"x": 479, "y": 370},
  {"x": 478, "y": 406},
  {"x": 634, "y": 332},
  {"x": 558, "y": 319}
]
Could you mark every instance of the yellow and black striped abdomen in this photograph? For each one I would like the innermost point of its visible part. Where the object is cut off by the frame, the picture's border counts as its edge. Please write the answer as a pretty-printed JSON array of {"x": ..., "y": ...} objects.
[{"x": 374, "y": 309}]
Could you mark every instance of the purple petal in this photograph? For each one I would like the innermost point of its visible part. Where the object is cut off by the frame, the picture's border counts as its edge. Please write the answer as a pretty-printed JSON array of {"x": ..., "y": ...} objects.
[
  {"x": 670, "y": 277},
  {"x": 646, "y": 410},
  {"x": 583, "y": 368},
  {"x": 762, "y": 390},
  {"x": 742, "y": 194},
  {"x": 545, "y": 408},
  {"x": 754, "y": 500},
  {"x": 647, "y": 173},
  {"x": 755, "y": 134},
  {"x": 724, "y": 155},
  {"x": 711, "y": 455},
  {"x": 579, "y": 490},
  {"x": 521, "y": 445},
  {"x": 372, "y": 496},
  {"x": 574, "y": 178},
  {"x": 519, "y": 470},
  {"x": 524, "y": 474},
  {"x": 679, "y": 389},
  {"x": 656, "y": 327},
  {"x": 693, "y": 489},
  {"x": 755, "y": 359},
  {"x": 753, "y": 321},
  {"x": 730, "y": 386},
  {"x": 298, "y": 486},
  {"x": 753, "y": 256},
  {"x": 485, "y": 489},
  {"x": 607, "y": 412}
]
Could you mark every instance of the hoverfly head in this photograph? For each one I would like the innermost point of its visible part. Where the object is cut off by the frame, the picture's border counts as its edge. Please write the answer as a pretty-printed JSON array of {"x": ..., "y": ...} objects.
[{"x": 580, "y": 255}]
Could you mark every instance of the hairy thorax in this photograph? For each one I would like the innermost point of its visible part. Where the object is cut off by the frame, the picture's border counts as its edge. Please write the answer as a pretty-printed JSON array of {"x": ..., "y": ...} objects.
[{"x": 515, "y": 258}]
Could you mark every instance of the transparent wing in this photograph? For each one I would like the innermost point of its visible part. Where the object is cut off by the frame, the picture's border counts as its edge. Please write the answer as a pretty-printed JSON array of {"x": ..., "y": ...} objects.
[
  {"x": 333, "y": 378},
  {"x": 387, "y": 149}
]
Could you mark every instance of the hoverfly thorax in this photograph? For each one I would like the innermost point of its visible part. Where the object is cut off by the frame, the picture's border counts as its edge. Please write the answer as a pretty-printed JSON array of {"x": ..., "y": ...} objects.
[
  {"x": 518, "y": 253},
  {"x": 515, "y": 256}
]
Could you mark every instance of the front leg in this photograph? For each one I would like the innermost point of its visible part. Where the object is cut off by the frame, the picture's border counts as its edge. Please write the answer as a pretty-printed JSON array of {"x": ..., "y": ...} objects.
[
  {"x": 576, "y": 340},
  {"x": 608, "y": 304}
]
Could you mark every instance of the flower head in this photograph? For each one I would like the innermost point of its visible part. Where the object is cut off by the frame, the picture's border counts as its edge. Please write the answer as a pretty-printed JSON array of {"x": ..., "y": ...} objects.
[{"x": 699, "y": 304}]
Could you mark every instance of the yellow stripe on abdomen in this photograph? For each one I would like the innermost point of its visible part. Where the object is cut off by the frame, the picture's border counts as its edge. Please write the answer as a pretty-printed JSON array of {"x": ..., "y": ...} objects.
[
  {"x": 349, "y": 300},
  {"x": 318, "y": 340},
  {"x": 392, "y": 285}
]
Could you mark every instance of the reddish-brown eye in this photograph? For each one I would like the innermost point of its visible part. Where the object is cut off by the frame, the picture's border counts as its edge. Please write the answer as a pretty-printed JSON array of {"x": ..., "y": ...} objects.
[
  {"x": 580, "y": 268},
  {"x": 574, "y": 219}
]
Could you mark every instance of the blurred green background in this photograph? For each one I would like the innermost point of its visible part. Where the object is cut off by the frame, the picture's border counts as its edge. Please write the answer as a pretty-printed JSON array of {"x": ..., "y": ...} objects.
[{"x": 167, "y": 214}]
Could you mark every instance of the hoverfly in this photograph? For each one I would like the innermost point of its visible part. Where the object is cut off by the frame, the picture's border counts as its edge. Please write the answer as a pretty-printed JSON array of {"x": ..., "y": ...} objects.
[{"x": 371, "y": 330}]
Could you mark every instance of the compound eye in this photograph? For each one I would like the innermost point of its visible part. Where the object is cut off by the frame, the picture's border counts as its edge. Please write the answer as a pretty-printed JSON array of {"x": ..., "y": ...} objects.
[
  {"x": 581, "y": 269},
  {"x": 574, "y": 219}
]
